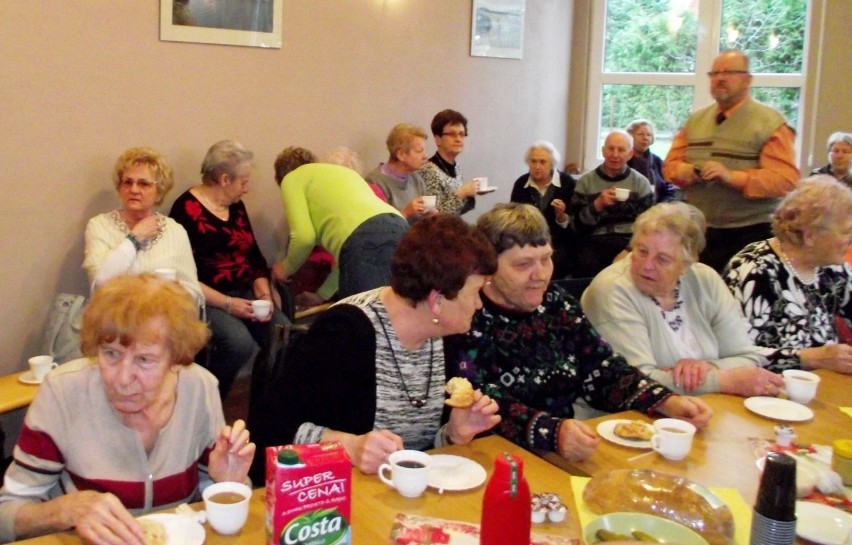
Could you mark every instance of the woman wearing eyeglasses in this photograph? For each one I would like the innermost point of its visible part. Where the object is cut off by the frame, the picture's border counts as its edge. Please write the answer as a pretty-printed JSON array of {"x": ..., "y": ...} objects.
[
  {"x": 441, "y": 174},
  {"x": 136, "y": 238}
]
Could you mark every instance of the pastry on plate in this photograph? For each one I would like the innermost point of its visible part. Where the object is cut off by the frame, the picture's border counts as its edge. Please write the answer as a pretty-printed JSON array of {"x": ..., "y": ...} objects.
[
  {"x": 461, "y": 393},
  {"x": 155, "y": 532},
  {"x": 634, "y": 430}
]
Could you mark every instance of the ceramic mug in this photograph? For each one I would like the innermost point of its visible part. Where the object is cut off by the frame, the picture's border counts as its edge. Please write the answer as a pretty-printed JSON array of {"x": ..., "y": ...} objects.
[
  {"x": 801, "y": 386},
  {"x": 672, "y": 438},
  {"x": 41, "y": 365},
  {"x": 409, "y": 472},
  {"x": 227, "y": 506},
  {"x": 261, "y": 308}
]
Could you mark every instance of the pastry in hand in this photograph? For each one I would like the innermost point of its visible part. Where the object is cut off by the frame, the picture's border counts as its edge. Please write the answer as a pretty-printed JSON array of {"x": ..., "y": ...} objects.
[
  {"x": 635, "y": 430},
  {"x": 461, "y": 393}
]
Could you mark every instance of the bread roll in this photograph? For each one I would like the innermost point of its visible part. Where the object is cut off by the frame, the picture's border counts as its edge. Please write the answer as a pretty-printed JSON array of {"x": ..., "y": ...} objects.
[{"x": 461, "y": 393}]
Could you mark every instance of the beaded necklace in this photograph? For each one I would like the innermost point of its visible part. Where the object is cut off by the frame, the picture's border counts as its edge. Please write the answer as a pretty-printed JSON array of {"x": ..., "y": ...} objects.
[
  {"x": 677, "y": 321},
  {"x": 145, "y": 246},
  {"x": 789, "y": 264},
  {"x": 416, "y": 402}
]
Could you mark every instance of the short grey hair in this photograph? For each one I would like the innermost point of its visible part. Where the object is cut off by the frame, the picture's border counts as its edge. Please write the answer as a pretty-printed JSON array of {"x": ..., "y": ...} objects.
[
  {"x": 637, "y": 124},
  {"x": 223, "y": 157},
  {"x": 514, "y": 224},
  {"x": 678, "y": 218},
  {"x": 544, "y": 145},
  {"x": 819, "y": 202},
  {"x": 838, "y": 137},
  {"x": 345, "y": 157}
]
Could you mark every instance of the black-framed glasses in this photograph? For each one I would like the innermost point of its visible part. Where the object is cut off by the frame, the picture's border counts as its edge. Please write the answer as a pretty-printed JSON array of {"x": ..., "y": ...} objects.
[
  {"x": 458, "y": 134},
  {"x": 717, "y": 73}
]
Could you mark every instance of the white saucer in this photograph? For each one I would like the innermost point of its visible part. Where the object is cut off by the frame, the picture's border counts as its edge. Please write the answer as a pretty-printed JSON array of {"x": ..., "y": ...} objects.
[
  {"x": 778, "y": 409},
  {"x": 28, "y": 378},
  {"x": 454, "y": 473},
  {"x": 606, "y": 429},
  {"x": 181, "y": 529},
  {"x": 485, "y": 190},
  {"x": 822, "y": 523}
]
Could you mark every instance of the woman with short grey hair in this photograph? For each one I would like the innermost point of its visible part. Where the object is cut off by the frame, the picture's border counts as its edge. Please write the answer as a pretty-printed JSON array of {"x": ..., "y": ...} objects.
[
  {"x": 550, "y": 190},
  {"x": 231, "y": 268},
  {"x": 839, "y": 158},
  {"x": 672, "y": 317},
  {"x": 792, "y": 287}
]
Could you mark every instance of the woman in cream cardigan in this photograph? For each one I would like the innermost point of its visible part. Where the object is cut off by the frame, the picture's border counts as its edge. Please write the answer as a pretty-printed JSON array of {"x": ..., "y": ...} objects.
[{"x": 672, "y": 317}]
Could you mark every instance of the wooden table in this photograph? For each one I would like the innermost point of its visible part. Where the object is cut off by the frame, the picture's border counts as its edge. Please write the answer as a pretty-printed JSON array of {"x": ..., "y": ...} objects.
[
  {"x": 723, "y": 454},
  {"x": 15, "y": 394},
  {"x": 374, "y": 504}
]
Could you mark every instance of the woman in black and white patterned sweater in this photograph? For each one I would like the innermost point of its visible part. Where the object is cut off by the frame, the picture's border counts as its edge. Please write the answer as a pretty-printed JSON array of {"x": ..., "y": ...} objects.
[{"x": 792, "y": 287}]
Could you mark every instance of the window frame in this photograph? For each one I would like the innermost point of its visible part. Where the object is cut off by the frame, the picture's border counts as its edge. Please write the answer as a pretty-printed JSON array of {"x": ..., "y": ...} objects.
[{"x": 708, "y": 36}]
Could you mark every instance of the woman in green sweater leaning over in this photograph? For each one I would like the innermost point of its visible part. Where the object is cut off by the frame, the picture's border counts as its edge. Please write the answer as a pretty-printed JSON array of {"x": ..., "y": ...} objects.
[{"x": 332, "y": 206}]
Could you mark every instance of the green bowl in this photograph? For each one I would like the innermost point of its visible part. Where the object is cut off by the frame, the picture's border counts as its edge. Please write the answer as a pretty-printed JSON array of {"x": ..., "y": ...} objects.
[{"x": 663, "y": 530}]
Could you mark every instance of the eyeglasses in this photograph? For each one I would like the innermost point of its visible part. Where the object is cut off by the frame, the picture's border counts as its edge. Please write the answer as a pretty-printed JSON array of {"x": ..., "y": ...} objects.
[
  {"x": 717, "y": 73},
  {"x": 454, "y": 134},
  {"x": 142, "y": 184}
]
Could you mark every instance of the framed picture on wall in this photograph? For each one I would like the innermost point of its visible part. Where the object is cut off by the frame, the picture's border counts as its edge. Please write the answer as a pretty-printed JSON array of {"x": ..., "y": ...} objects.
[
  {"x": 497, "y": 29},
  {"x": 253, "y": 23}
]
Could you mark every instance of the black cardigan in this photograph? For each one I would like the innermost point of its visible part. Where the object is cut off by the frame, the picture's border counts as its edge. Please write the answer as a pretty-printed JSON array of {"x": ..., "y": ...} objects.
[{"x": 328, "y": 377}]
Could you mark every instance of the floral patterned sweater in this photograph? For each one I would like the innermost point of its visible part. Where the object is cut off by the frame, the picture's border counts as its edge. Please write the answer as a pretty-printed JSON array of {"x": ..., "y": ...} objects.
[
  {"x": 785, "y": 314},
  {"x": 226, "y": 252},
  {"x": 535, "y": 365}
]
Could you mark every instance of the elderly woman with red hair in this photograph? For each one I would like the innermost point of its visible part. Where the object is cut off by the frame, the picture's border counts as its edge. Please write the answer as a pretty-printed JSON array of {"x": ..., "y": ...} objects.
[
  {"x": 133, "y": 426},
  {"x": 370, "y": 371}
]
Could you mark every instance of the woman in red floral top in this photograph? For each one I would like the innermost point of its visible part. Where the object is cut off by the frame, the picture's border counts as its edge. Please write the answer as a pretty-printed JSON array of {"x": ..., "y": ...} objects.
[{"x": 231, "y": 269}]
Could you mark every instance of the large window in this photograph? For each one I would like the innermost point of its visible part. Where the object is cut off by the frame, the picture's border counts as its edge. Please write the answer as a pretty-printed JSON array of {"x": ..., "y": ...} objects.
[{"x": 652, "y": 57}]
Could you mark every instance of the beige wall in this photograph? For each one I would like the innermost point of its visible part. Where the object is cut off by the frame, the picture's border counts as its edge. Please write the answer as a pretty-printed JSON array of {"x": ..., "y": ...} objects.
[{"x": 80, "y": 81}]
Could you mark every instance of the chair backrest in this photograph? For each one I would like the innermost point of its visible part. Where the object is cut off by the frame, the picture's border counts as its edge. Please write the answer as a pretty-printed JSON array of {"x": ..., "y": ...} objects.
[{"x": 267, "y": 368}]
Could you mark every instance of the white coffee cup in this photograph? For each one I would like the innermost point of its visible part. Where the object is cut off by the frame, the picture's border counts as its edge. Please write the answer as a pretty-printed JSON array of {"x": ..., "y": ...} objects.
[
  {"x": 429, "y": 202},
  {"x": 168, "y": 274},
  {"x": 227, "y": 506},
  {"x": 672, "y": 438},
  {"x": 261, "y": 308},
  {"x": 409, "y": 472},
  {"x": 622, "y": 194},
  {"x": 481, "y": 183},
  {"x": 41, "y": 365},
  {"x": 801, "y": 386}
]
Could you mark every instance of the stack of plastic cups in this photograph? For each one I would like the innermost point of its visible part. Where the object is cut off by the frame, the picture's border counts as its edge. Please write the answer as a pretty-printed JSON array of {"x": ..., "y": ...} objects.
[{"x": 774, "y": 518}]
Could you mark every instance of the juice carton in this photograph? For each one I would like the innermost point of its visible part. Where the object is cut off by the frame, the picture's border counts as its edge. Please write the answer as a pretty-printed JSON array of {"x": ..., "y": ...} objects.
[{"x": 308, "y": 495}]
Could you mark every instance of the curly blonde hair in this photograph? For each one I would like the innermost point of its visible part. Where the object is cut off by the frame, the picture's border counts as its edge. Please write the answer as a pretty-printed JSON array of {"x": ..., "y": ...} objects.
[
  {"x": 151, "y": 158},
  {"x": 818, "y": 203}
]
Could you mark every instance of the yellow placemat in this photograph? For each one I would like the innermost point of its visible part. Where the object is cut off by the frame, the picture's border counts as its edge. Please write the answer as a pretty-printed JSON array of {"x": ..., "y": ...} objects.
[
  {"x": 847, "y": 410},
  {"x": 731, "y": 496}
]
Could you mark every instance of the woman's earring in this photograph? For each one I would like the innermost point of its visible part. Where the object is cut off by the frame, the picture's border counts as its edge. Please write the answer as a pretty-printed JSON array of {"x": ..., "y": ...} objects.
[{"x": 434, "y": 320}]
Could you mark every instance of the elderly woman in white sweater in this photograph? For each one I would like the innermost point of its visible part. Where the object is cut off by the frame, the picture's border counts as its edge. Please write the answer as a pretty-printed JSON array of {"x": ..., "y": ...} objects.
[
  {"x": 672, "y": 317},
  {"x": 136, "y": 238}
]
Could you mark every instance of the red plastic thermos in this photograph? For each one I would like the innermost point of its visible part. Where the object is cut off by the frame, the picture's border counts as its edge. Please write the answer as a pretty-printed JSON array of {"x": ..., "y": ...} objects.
[{"x": 506, "y": 504}]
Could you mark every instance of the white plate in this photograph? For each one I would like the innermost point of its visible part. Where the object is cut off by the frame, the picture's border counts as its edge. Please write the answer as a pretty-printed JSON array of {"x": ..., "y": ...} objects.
[
  {"x": 181, "y": 529},
  {"x": 454, "y": 473},
  {"x": 822, "y": 524},
  {"x": 490, "y": 189},
  {"x": 778, "y": 409},
  {"x": 606, "y": 429},
  {"x": 28, "y": 378}
]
